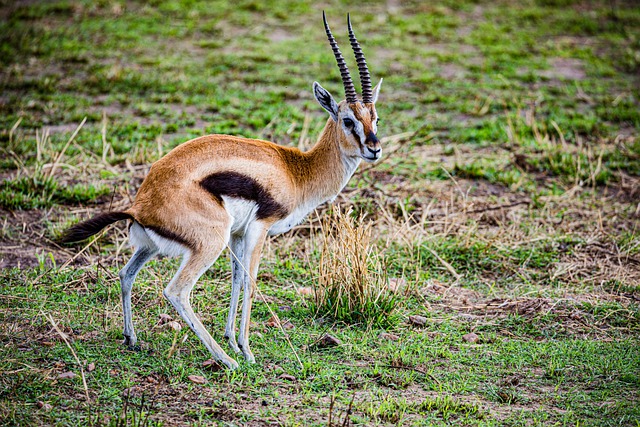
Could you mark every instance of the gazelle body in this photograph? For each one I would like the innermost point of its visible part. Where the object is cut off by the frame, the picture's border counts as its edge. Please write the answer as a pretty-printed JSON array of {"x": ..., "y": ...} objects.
[{"x": 219, "y": 190}]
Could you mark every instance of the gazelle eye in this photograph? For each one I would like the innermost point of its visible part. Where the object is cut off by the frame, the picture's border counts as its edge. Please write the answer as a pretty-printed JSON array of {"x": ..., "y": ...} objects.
[{"x": 347, "y": 122}]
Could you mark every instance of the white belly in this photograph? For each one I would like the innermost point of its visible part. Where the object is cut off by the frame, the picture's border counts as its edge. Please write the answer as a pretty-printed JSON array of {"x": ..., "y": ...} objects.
[{"x": 293, "y": 219}]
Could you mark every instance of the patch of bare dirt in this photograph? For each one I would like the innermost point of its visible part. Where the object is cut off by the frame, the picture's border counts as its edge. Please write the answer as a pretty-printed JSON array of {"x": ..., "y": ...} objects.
[
  {"x": 565, "y": 69},
  {"x": 570, "y": 309},
  {"x": 447, "y": 48},
  {"x": 598, "y": 263},
  {"x": 280, "y": 35},
  {"x": 23, "y": 242},
  {"x": 451, "y": 71},
  {"x": 27, "y": 236}
]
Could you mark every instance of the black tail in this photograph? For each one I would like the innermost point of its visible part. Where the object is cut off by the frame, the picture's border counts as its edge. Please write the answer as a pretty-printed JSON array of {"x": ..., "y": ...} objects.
[{"x": 92, "y": 226}]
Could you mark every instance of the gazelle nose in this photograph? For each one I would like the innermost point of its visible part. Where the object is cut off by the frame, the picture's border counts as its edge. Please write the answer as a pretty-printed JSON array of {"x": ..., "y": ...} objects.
[
  {"x": 372, "y": 138},
  {"x": 375, "y": 152}
]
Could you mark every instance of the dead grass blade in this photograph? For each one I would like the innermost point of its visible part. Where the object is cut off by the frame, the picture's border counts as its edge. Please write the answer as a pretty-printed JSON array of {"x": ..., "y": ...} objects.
[
  {"x": 446, "y": 265},
  {"x": 75, "y": 356},
  {"x": 13, "y": 129},
  {"x": 61, "y": 153}
]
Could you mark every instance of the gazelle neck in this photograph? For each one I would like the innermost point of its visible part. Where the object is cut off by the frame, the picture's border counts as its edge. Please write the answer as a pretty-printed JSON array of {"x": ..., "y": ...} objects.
[
  {"x": 328, "y": 169},
  {"x": 319, "y": 175}
]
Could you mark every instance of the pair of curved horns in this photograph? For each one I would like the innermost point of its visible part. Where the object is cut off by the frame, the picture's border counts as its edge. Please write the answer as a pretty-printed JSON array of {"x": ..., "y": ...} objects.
[{"x": 365, "y": 77}]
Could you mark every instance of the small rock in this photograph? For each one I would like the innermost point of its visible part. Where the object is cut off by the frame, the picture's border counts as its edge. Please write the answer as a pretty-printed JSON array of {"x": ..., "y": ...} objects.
[
  {"x": 329, "y": 341},
  {"x": 44, "y": 406},
  {"x": 173, "y": 325},
  {"x": 164, "y": 318},
  {"x": 66, "y": 375},
  {"x": 274, "y": 322},
  {"x": 91, "y": 367},
  {"x": 134, "y": 391},
  {"x": 388, "y": 336},
  {"x": 287, "y": 377},
  {"x": 284, "y": 308},
  {"x": 471, "y": 337},
  {"x": 152, "y": 380},
  {"x": 212, "y": 364},
  {"x": 305, "y": 291},
  {"x": 396, "y": 284},
  {"x": 418, "y": 320},
  {"x": 197, "y": 379},
  {"x": 89, "y": 336},
  {"x": 287, "y": 325}
]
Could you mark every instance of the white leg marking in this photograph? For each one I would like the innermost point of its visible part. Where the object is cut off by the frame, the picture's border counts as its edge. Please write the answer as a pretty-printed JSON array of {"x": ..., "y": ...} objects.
[
  {"x": 127, "y": 277},
  {"x": 253, "y": 241},
  {"x": 236, "y": 249}
]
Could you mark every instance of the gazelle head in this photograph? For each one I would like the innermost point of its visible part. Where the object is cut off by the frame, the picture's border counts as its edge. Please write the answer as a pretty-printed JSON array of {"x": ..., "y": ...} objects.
[{"x": 357, "y": 120}]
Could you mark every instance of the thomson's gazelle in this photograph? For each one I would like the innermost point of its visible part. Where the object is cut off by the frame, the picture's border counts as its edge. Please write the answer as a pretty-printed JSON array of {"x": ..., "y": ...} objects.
[{"x": 219, "y": 189}]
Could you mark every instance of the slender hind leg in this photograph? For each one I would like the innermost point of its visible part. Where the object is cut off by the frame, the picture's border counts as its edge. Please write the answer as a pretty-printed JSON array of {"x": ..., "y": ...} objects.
[
  {"x": 194, "y": 264},
  {"x": 238, "y": 274},
  {"x": 127, "y": 276},
  {"x": 253, "y": 241}
]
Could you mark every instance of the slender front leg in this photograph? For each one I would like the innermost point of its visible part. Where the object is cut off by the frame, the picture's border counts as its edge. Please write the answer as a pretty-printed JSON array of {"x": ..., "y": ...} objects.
[
  {"x": 238, "y": 274},
  {"x": 127, "y": 276},
  {"x": 254, "y": 240}
]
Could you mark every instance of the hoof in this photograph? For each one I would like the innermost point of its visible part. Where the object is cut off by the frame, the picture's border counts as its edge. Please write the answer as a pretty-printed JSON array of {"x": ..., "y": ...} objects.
[
  {"x": 248, "y": 357},
  {"x": 233, "y": 344},
  {"x": 134, "y": 347},
  {"x": 129, "y": 341},
  {"x": 230, "y": 363}
]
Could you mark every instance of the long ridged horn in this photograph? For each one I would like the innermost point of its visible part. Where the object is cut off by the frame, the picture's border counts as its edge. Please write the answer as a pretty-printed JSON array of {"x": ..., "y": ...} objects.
[
  {"x": 349, "y": 89},
  {"x": 365, "y": 77}
]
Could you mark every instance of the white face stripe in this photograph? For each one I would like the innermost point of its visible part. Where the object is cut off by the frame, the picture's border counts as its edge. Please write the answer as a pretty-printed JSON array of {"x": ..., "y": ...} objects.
[{"x": 358, "y": 127}]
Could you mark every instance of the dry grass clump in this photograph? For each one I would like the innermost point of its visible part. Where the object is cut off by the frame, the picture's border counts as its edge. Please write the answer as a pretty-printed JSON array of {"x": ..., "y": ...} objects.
[{"x": 352, "y": 282}]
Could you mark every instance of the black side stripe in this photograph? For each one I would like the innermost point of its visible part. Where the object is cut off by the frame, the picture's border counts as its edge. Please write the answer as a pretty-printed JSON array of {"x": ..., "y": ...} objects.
[{"x": 233, "y": 184}]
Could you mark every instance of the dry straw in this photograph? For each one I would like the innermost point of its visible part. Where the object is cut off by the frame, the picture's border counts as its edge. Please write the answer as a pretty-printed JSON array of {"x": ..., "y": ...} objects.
[{"x": 352, "y": 281}]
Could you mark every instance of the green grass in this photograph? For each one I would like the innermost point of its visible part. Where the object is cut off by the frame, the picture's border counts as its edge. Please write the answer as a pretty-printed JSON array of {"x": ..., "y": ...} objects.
[
  {"x": 510, "y": 211},
  {"x": 42, "y": 192},
  {"x": 430, "y": 372}
]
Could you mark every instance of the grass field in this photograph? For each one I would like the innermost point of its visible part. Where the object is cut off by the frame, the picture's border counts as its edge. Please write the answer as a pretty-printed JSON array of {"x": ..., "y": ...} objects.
[{"x": 505, "y": 212}]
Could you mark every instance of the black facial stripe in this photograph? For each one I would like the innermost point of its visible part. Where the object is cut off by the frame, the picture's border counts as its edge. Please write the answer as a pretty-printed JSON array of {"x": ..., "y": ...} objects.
[
  {"x": 168, "y": 235},
  {"x": 233, "y": 184},
  {"x": 355, "y": 135}
]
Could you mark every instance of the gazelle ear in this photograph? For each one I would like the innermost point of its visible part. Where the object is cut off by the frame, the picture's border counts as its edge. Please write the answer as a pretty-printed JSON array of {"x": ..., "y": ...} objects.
[
  {"x": 376, "y": 91},
  {"x": 325, "y": 100}
]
